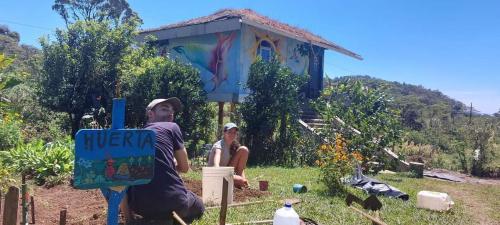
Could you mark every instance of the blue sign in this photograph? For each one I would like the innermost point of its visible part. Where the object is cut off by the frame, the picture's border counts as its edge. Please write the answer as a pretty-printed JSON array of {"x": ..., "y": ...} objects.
[{"x": 115, "y": 157}]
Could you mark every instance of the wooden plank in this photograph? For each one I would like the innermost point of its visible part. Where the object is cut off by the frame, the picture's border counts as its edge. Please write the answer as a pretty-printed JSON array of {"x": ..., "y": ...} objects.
[
  {"x": 10, "y": 206},
  {"x": 292, "y": 201},
  {"x": 223, "y": 208},
  {"x": 373, "y": 219},
  {"x": 0, "y": 202},
  {"x": 178, "y": 218},
  {"x": 253, "y": 222}
]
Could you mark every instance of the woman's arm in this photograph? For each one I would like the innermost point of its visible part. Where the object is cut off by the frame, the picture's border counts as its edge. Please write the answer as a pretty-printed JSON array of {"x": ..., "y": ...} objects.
[{"x": 214, "y": 159}]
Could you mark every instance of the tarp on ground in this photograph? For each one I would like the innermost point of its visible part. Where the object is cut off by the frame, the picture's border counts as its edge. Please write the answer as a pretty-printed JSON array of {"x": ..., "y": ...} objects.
[
  {"x": 374, "y": 186},
  {"x": 444, "y": 175}
]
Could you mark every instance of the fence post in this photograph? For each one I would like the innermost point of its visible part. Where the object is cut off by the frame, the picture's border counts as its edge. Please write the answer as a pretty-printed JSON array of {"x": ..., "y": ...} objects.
[
  {"x": 223, "y": 208},
  {"x": 62, "y": 217},
  {"x": 11, "y": 205}
]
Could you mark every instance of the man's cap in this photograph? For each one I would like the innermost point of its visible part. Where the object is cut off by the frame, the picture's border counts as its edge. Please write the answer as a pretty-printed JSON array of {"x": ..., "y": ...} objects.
[
  {"x": 230, "y": 126},
  {"x": 174, "y": 101}
]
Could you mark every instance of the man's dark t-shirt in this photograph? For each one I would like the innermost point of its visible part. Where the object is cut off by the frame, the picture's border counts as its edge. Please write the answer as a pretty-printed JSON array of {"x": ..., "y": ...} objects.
[{"x": 166, "y": 191}]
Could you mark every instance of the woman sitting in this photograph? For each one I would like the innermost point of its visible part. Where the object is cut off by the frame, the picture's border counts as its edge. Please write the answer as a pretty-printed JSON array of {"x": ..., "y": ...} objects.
[{"x": 228, "y": 152}]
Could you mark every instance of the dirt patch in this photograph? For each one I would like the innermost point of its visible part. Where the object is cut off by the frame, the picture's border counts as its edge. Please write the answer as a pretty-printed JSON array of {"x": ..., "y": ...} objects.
[
  {"x": 239, "y": 195},
  {"x": 88, "y": 207}
]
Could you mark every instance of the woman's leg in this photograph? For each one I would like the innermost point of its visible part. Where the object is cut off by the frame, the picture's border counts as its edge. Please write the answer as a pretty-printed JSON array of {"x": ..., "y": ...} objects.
[{"x": 239, "y": 162}]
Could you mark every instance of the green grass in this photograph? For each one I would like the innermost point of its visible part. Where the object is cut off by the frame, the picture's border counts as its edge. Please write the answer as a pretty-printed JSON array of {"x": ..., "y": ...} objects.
[{"x": 325, "y": 209}]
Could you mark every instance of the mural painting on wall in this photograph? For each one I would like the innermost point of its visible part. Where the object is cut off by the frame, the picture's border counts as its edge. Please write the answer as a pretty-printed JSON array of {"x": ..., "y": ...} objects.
[
  {"x": 263, "y": 41},
  {"x": 298, "y": 59},
  {"x": 290, "y": 52},
  {"x": 212, "y": 55}
]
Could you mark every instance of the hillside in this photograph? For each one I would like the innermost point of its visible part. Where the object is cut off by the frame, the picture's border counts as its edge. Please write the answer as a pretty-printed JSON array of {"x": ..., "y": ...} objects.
[{"x": 439, "y": 130}]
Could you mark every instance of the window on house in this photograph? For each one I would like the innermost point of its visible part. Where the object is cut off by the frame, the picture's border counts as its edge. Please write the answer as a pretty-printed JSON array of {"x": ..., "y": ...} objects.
[{"x": 265, "y": 50}]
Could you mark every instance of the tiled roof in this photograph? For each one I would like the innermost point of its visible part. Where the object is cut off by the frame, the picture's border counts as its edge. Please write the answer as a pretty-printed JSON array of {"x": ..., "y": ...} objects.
[{"x": 252, "y": 16}]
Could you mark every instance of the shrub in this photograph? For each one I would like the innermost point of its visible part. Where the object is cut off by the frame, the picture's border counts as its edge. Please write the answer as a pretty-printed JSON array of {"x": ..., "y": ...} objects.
[
  {"x": 6, "y": 175},
  {"x": 336, "y": 162},
  {"x": 41, "y": 161},
  {"x": 152, "y": 77},
  {"x": 271, "y": 112},
  {"x": 10, "y": 131}
]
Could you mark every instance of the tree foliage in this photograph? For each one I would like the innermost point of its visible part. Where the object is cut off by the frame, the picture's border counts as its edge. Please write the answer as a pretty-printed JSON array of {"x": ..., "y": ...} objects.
[
  {"x": 271, "y": 112},
  {"x": 81, "y": 64},
  {"x": 148, "y": 76},
  {"x": 364, "y": 109},
  {"x": 116, "y": 11}
]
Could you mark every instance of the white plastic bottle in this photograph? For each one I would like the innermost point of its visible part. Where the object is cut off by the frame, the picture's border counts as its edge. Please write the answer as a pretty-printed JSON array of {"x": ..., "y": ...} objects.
[{"x": 286, "y": 216}]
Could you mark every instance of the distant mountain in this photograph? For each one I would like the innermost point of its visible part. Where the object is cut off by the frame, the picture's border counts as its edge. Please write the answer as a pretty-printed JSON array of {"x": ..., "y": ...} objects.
[
  {"x": 9, "y": 45},
  {"x": 418, "y": 105}
]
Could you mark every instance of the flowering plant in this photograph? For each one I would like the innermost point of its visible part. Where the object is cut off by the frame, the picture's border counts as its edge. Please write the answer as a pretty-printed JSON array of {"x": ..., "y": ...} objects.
[{"x": 336, "y": 161}]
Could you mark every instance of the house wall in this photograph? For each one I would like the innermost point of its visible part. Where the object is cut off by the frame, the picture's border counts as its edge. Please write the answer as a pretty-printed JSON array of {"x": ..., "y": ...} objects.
[
  {"x": 224, "y": 59},
  {"x": 291, "y": 52}
]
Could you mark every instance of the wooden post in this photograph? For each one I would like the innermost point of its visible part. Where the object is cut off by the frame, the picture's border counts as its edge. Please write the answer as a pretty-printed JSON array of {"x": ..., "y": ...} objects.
[
  {"x": 0, "y": 201},
  {"x": 10, "y": 206},
  {"x": 62, "y": 217},
  {"x": 232, "y": 112},
  {"x": 220, "y": 119},
  {"x": 223, "y": 208},
  {"x": 32, "y": 203},
  {"x": 24, "y": 201}
]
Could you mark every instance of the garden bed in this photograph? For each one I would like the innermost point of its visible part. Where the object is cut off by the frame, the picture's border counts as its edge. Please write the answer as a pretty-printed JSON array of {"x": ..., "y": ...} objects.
[{"x": 90, "y": 207}]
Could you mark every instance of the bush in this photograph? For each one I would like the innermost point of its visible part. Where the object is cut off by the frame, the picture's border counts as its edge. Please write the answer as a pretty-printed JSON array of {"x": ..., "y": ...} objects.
[
  {"x": 10, "y": 131},
  {"x": 6, "y": 175},
  {"x": 42, "y": 161},
  {"x": 336, "y": 163},
  {"x": 271, "y": 113},
  {"x": 157, "y": 77}
]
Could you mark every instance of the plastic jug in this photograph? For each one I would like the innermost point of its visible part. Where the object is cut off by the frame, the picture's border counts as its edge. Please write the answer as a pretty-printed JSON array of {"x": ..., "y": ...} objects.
[
  {"x": 434, "y": 201},
  {"x": 286, "y": 216}
]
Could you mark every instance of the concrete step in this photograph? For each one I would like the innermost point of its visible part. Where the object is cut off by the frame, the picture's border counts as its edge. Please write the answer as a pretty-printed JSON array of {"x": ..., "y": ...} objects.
[
  {"x": 313, "y": 120},
  {"x": 316, "y": 125},
  {"x": 310, "y": 116}
]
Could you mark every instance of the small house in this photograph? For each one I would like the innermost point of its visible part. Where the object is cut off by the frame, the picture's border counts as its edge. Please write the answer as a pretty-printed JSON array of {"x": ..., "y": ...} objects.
[{"x": 223, "y": 45}]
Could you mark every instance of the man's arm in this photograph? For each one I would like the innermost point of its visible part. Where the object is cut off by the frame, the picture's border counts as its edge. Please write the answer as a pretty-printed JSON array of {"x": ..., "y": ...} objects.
[{"x": 182, "y": 160}]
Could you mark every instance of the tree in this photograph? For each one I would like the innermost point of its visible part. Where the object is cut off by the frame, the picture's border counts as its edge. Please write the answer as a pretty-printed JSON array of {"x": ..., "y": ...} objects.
[
  {"x": 117, "y": 11},
  {"x": 82, "y": 64},
  {"x": 271, "y": 111},
  {"x": 147, "y": 76},
  {"x": 363, "y": 109}
]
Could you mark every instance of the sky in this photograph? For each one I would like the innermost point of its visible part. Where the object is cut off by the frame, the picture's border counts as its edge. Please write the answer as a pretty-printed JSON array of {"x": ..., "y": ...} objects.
[{"x": 448, "y": 45}]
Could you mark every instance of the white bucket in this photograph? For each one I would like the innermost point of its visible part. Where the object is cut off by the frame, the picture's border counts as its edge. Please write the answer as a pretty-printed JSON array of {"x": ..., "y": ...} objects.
[
  {"x": 212, "y": 184},
  {"x": 434, "y": 201}
]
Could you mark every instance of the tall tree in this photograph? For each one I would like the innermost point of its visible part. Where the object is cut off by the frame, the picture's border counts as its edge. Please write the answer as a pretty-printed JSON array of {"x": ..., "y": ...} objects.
[
  {"x": 117, "y": 11},
  {"x": 83, "y": 64}
]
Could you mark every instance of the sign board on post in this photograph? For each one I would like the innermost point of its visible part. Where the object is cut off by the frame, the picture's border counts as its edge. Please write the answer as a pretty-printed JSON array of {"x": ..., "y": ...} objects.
[
  {"x": 107, "y": 158},
  {"x": 111, "y": 159}
]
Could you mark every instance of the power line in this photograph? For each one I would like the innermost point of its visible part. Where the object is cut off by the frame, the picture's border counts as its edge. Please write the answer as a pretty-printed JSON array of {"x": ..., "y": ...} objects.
[{"x": 26, "y": 25}]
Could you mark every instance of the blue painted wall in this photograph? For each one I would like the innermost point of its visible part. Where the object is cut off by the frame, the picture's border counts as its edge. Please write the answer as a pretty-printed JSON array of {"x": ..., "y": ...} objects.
[{"x": 224, "y": 59}]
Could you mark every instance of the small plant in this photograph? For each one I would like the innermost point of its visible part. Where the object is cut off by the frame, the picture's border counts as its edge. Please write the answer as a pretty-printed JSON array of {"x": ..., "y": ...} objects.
[
  {"x": 41, "y": 161},
  {"x": 336, "y": 162},
  {"x": 10, "y": 131},
  {"x": 6, "y": 176}
]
